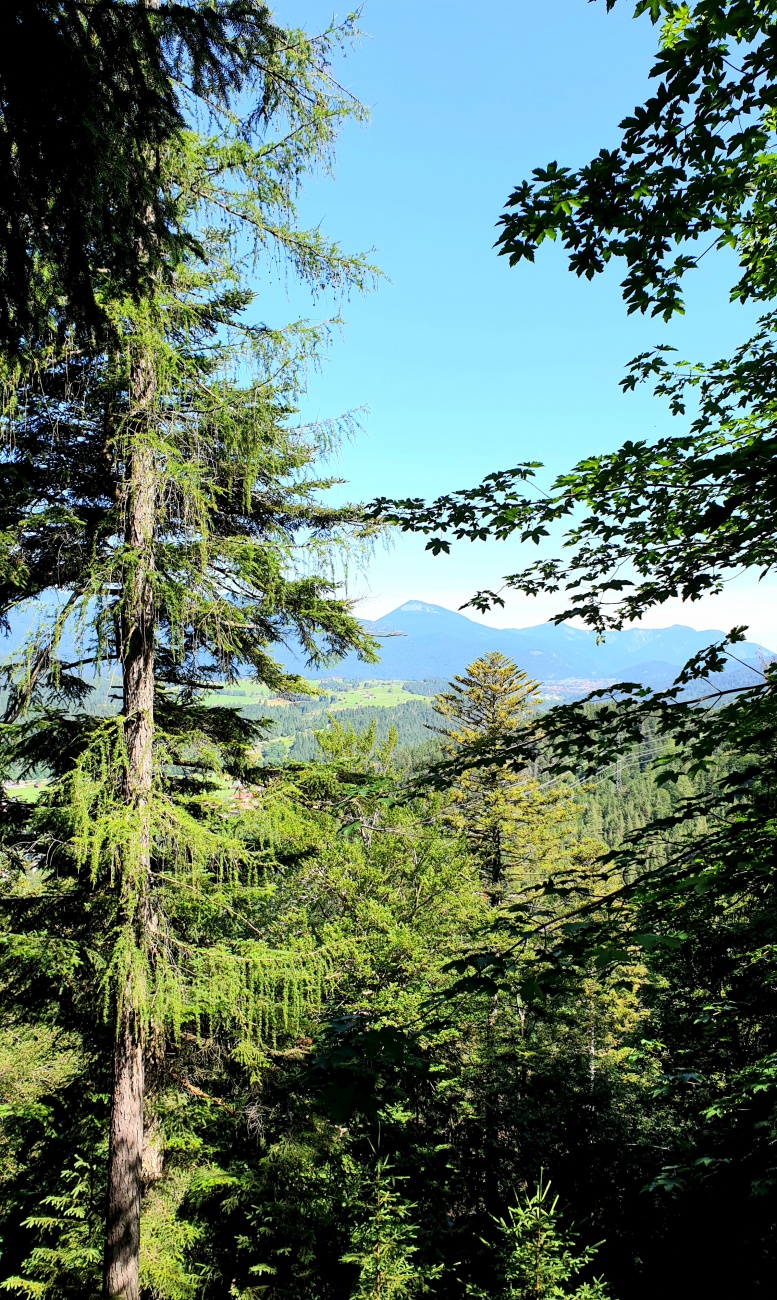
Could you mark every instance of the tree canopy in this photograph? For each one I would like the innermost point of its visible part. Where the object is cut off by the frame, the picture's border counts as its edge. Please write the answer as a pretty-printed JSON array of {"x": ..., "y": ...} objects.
[
  {"x": 654, "y": 521},
  {"x": 84, "y": 207}
]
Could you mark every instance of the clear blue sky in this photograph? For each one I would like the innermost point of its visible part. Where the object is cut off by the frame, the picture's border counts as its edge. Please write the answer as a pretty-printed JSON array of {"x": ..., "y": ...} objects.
[{"x": 464, "y": 364}]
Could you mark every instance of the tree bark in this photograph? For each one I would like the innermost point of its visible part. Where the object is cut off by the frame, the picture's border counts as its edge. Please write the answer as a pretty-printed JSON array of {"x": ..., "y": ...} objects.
[
  {"x": 122, "y": 1229},
  {"x": 125, "y": 1156},
  {"x": 122, "y": 1239}
]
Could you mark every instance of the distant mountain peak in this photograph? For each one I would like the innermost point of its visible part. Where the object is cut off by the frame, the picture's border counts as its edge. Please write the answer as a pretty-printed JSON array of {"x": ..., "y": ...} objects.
[
  {"x": 418, "y": 607},
  {"x": 420, "y": 640}
]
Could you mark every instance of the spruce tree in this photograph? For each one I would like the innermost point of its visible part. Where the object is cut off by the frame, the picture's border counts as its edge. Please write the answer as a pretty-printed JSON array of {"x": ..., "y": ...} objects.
[
  {"x": 383, "y": 1244},
  {"x": 160, "y": 513},
  {"x": 538, "y": 1260},
  {"x": 509, "y": 820}
]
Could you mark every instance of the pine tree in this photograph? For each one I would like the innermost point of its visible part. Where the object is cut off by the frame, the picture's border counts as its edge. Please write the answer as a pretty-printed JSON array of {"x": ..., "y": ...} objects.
[{"x": 159, "y": 507}]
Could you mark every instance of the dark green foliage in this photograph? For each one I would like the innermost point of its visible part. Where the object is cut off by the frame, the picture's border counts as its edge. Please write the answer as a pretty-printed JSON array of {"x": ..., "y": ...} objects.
[
  {"x": 538, "y": 1258},
  {"x": 261, "y": 1169},
  {"x": 359, "y": 1063},
  {"x": 299, "y": 723},
  {"x": 694, "y": 891},
  {"x": 428, "y": 686},
  {"x": 82, "y": 207}
]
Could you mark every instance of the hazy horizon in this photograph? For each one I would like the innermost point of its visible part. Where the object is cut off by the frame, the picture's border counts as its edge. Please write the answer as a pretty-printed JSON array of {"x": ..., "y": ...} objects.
[{"x": 501, "y": 619}]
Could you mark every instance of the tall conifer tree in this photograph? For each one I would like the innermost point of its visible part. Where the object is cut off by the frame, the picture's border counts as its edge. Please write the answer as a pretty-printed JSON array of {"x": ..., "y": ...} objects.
[
  {"x": 510, "y": 820},
  {"x": 157, "y": 498}
]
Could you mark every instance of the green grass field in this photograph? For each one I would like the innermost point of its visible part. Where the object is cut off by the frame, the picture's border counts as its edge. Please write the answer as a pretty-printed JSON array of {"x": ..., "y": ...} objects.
[
  {"x": 27, "y": 791},
  {"x": 334, "y": 696}
]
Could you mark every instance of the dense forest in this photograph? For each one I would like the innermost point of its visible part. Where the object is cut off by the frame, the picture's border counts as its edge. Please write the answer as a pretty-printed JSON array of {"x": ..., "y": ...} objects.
[
  {"x": 385, "y": 1124},
  {"x": 455, "y": 994}
]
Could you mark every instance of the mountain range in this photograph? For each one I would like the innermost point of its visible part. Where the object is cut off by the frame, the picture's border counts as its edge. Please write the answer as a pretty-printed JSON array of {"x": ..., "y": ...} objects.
[{"x": 419, "y": 640}]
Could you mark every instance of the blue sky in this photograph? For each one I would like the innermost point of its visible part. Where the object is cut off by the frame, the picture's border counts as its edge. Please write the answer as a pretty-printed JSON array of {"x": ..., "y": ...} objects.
[{"x": 464, "y": 365}]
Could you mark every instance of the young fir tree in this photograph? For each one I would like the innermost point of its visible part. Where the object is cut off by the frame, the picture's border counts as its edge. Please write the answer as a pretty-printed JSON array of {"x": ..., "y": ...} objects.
[
  {"x": 539, "y": 1261},
  {"x": 509, "y": 820},
  {"x": 159, "y": 507},
  {"x": 383, "y": 1245}
]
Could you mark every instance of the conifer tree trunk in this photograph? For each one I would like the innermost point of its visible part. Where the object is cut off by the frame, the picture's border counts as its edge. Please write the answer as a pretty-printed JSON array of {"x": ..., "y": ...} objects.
[
  {"x": 125, "y": 1155},
  {"x": 122, "y": 1242},
  {"x": 122, "y": 1235}
]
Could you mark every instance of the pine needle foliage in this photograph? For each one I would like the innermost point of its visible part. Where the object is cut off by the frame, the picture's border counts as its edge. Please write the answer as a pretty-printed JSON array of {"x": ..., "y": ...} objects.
[{"x": 383, "y": 1244}]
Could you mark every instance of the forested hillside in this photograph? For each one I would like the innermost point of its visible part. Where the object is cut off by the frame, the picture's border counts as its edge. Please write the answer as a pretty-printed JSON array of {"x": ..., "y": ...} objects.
[
  {"x": 610, "y": 804},
  {"x": 613, "y": 803},
  {"x": 381, "y": 1104}
]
